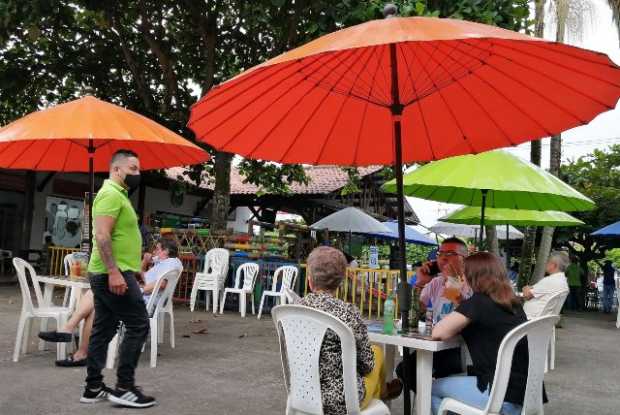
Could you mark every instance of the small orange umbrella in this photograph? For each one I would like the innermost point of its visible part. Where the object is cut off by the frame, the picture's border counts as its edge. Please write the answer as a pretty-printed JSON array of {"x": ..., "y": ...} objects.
[
  {"x": 82, "y": 135},
  {"x": 63, "y": 137}
]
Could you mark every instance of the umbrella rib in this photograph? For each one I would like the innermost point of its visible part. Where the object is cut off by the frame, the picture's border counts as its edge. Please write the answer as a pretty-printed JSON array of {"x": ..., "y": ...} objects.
[
  {"x": 482, "y": 108},
  {"x": 521, "y": 110},
  {"x": 260, "y": 113},
  {"x": 529, "y": 88},
  {"x": 547, "y": 49},
  {"x": 363, "y": 117},
  {"x": 243, "y": 81},
  {"x": 317, "y": 107},
  {"x": 277, "y": 123},
  {"x": 21, "y": 153},
  {"x": 36, "y": 165},
  {"x": 439, "y": 91},
  {"x": 547, "y": 77},
  {"x": 279, "y": 68},
  {"x": 333, "y": 126}
]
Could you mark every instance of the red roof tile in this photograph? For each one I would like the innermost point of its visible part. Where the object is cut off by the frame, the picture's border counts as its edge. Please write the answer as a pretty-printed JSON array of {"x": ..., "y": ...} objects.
[{"x": 322, "y": 180}]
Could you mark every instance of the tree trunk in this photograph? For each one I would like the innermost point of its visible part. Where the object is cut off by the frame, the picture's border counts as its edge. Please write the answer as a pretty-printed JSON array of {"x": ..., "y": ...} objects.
[
  {"x": 220, "y": 203},
  {"x": 529, "y": 240},
  {"x": 491, "y": 240},
  {"x": 555, "y": 159},
  {"x": 527, "y": 252}
]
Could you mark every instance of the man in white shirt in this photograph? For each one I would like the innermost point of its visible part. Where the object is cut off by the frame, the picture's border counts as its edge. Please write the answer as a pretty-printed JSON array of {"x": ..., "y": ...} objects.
[
  {"x": 163, "y": 259},
  {"x": 555, "y": 282}
]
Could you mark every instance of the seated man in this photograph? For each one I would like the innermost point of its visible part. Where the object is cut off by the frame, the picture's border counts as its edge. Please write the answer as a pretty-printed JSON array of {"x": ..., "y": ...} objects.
[
  {"x": 164, "y": 259},
  {"x": 450, "y": 258},
  {"x": 537, "y": 295}
]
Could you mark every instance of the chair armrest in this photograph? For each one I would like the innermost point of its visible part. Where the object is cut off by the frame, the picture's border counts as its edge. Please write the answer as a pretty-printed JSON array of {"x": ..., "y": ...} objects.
[{"x": 452, "y": 405}]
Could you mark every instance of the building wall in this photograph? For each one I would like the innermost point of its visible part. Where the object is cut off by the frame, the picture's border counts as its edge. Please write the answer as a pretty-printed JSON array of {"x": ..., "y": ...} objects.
[{"x": 155, "y": 200}]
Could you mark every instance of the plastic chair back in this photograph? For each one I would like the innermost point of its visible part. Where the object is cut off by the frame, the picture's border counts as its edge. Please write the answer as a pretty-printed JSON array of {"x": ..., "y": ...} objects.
[
  {"x": 538, "y": 332},
  {"x": 216, "y": 262},
  {"x": 554, "y": 304},
  {"x": 288, "y": 274},
  {"x": 301, "y": 331},
  {"x": 68, "y": 260},
  {"x": 291, "y": 296},
  {"x": 160, "y": 298},
  {"x": 23, "y": 268},
  {"x": 249, "y": 271}
]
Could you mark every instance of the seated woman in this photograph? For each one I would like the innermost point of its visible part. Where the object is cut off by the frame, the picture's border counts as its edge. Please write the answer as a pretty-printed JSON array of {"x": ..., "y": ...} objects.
[
  {"x": 326, "y": 270},
  {"x": 484, "y": 320}
]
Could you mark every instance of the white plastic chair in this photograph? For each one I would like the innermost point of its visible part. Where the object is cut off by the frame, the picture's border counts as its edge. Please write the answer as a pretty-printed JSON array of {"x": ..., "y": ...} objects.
[
  {"x": 212, "y": 278},
  {"x": 67, "y": 261},
  {"x": 291, "y": 296},
  {"x": 301, "y": 331},
  {"x": 31, "y": 310},
  {"x": 552, "y": 308},
  {"x": 249, "y": 270},
  {"x": 538, "y": 332},
  {"x": 288, "y": 275},
  {"x": 159, "y": 304}
]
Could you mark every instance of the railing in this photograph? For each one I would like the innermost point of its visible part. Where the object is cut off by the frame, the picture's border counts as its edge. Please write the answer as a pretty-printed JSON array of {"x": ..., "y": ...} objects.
[
  {"x": 368, "y": 288},
  {"x": 56, "y": 255}
]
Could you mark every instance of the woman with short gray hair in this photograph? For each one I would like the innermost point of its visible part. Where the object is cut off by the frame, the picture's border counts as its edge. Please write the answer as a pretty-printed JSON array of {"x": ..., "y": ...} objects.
[{"x": 326, "y": 270}]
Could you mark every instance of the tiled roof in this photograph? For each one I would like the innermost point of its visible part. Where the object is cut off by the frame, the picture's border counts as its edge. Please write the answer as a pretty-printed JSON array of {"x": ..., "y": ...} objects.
[{"x": 322, "y": 180}]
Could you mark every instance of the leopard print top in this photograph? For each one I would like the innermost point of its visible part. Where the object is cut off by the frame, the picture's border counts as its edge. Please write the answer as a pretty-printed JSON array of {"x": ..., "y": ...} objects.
[{"x": 330, "y": 366}]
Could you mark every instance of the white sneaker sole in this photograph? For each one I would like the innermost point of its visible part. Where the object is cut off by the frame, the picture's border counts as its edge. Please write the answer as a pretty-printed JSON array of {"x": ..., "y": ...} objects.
[{"x": 129, "y": 404}]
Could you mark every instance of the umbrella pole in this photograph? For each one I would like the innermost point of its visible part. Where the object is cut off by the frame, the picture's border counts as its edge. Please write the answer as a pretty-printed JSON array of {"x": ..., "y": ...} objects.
[
  {"x": 507, "y": 254},
  {"x": 91, "y": 190},
  {"x": 484, "y": 202}
]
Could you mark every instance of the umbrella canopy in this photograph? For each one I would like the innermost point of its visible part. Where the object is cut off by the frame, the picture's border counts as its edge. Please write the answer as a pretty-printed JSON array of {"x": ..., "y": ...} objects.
[
  {"x": 472, "y": 231},
  {"x": 460, "y": 88},
  {"x": 471, "y": 216},
  {"x": 350, "y": 220},
  {"x": 609, "y": 230},
  {"x": 510, "y": 183},
  {"x": 411, "y": 235},
  {"x": 58, "y": 139}
]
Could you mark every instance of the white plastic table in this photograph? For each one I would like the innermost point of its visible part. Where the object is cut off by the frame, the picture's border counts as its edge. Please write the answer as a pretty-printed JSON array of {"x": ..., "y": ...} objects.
[
  {"x": 77, "y": 286},
  {"x": 424, "y": 363}
]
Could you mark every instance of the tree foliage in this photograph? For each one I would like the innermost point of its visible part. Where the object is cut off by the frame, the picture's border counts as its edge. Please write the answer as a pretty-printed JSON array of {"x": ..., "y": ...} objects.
[
  {"x": 158, "y": 57},
  {"x": 597, "y": 176}
]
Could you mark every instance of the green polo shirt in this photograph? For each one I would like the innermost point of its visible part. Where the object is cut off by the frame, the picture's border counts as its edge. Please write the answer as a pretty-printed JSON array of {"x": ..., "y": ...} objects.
[
  {"x": 113, "y": 200},
  {"x": 573, "y": 275}
]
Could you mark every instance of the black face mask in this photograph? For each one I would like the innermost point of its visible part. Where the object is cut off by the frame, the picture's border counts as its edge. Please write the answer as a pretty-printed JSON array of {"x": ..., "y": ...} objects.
[{"x": 132, "y": 181}]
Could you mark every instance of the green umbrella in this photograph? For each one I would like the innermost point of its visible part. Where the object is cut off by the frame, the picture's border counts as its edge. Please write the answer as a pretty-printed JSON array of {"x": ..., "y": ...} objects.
[
  {"x": 496, "y": 179},
  {"x": 470, "y": 215}
]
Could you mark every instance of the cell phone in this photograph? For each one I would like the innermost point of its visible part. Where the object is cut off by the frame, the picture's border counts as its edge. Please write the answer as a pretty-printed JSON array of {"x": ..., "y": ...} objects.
[{"x": 433, "y": 268}]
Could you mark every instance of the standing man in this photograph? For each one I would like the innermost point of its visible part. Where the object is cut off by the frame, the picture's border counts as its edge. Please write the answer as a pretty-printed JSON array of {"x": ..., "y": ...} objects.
[
  {"x": 573, "y": 275},
  {"x": 609, "y": 286},
  {"x": 114, "y": 262}
]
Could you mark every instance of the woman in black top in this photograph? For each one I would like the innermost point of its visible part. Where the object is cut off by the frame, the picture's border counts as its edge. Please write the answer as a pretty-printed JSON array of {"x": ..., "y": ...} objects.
[{"x": 484, "y": 320}]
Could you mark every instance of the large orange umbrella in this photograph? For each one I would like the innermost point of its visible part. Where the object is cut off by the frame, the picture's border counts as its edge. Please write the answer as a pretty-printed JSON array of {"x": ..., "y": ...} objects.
[
  {"x": 405, "y": 89},
  {"x": 82, "y": 135}
]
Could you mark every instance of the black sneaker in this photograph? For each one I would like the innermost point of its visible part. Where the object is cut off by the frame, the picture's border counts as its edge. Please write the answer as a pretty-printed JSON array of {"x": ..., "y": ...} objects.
[
  {"x": 133, "y": 398},
  {"x": 55, "y": 336},
  {"x": 94, "y": 396}
]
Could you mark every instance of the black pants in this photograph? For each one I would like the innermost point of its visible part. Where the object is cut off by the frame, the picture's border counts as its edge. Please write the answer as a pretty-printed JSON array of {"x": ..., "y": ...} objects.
[
  {"x": 445, "y": 363},
  {"x": 109, "y": 310}
]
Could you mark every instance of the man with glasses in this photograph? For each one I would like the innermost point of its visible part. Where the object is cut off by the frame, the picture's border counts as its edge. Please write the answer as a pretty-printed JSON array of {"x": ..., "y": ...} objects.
[{"x": 450, "y": 257}]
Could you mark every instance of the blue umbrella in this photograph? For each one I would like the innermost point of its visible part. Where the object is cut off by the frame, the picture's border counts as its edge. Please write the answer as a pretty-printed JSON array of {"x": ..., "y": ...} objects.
[
  {"x": 411, "y": 235},
  {"x": 609, "y": 230}
]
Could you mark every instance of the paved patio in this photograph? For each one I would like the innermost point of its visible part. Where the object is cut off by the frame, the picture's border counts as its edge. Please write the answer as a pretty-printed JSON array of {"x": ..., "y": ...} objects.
[{"x": 235, "y": 369}]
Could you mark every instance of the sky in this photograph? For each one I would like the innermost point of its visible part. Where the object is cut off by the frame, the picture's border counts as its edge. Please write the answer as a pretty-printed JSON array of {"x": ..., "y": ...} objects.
[{"x": 599, "y": 34}]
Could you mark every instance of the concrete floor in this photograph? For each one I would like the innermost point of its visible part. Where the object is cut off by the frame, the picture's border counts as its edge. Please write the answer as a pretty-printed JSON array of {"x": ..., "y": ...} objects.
[{"x": 235, "y": 369}]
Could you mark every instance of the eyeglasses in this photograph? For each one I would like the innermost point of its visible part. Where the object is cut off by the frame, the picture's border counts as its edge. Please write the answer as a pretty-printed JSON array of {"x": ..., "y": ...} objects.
[{"x": 448, "y": 254}]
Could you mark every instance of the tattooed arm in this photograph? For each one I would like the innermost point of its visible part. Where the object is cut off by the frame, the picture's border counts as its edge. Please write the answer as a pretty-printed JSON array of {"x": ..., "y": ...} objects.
[{"x": 103, "y": 236}]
